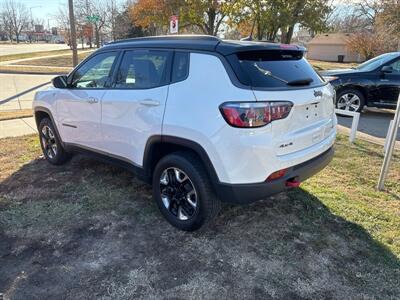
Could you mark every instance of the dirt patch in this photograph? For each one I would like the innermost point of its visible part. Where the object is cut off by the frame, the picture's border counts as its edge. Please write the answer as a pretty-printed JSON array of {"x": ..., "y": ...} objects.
[{"x": 88, "y": 230}]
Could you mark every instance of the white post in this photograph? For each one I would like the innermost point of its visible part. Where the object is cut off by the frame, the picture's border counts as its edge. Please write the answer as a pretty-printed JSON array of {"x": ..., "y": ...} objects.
[
  {"x": 390, "y": 148},
  {"x": 388, "y": 136},
  {"x": 354, "y": 124}
]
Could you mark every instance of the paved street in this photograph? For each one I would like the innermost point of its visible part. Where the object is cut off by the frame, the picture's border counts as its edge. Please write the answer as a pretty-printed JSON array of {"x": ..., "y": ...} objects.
[
  {"x": 17, "y": 127},
  {"x": 6, "y": 49},
  {"x": 374, "y": 122},
  {"x": 12, "y": 84}
]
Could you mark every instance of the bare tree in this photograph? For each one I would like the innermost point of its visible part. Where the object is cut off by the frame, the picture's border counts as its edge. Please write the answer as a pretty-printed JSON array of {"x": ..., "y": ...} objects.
[
  {"x": 105, "y": 12},
  {"x": 83, "y": 9},
  {"x": 369, "y": 9},
  {"x": 62, "y": 18},
  {"x": 113, "y": 12},
  {"x": 6, "y": 23},
  {"x": 17, "y": 16}
]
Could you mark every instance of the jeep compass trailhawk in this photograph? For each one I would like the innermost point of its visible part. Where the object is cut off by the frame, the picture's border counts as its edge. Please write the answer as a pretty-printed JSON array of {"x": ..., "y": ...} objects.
[{"x": 202, "y": 119}]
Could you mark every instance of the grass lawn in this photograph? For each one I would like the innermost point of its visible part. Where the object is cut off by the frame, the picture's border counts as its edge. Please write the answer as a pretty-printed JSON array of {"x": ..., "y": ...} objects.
[
  {"x": 15, "y": 114},
  {"x": 58, "y": 61},
  {"x": 57, "y": 65},
  {"x": 327, "y": 65},
  {"x": 89, "y": 230},
  {"x": 33, "y": 54}
]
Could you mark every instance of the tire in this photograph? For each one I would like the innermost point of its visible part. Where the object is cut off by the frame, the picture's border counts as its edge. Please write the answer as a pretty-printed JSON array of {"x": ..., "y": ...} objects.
[
  {"x": 51, "y": 145},
  {"x": 190, "y": 211},
  {"x": 351, "y": 100}
]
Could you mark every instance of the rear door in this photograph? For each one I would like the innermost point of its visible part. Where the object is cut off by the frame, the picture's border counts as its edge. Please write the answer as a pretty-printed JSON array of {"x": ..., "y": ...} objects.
[
  {"x": 133, "y": 108},
  {"x": 279, "y": 75}
]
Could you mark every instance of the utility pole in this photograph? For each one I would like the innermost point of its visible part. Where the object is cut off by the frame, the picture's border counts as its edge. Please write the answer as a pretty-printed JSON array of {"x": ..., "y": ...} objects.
[{"x": 73, "y": 33}]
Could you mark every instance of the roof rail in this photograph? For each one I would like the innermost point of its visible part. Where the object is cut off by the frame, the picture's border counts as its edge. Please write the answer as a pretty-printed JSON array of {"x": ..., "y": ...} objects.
[{"x": 168, "y": 37}]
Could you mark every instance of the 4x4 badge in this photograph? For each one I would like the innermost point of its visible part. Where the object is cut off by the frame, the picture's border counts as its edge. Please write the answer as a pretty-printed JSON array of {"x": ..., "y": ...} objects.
[{"x": 317, "y": 93}]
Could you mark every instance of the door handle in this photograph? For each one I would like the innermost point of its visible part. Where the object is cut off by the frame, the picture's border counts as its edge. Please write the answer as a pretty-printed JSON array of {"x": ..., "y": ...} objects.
[
  {"x": 92, "y": 100},
  {"x": 149, "y": 102}
]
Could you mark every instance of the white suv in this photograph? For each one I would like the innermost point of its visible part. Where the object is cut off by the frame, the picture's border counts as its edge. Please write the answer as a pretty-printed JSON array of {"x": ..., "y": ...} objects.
[{"x": 202, "y": 119}]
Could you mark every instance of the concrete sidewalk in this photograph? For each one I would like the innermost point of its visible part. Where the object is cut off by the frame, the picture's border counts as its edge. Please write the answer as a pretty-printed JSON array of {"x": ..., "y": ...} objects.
[
  {"x": 13, "y": 84},
  {"x": 17, "y": 127}
]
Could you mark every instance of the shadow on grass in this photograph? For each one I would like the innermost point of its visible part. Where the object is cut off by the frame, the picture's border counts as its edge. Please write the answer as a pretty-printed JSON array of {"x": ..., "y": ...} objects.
[{"x": 87, "y": 230}]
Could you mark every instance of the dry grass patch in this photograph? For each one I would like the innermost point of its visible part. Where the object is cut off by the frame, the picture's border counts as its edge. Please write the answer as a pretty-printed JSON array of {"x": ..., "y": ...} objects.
[
  {"x": 327, "y": 65},
  {"x": 34, "y": 69},
  {"x": 58, "y": 61},
  {"x": 8, "y": 57},
  {"x": 15, "y": 114}
]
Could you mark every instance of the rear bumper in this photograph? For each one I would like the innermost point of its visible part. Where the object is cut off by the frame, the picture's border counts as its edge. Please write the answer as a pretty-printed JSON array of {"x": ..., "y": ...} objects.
[{"x": 247, "y": 193}]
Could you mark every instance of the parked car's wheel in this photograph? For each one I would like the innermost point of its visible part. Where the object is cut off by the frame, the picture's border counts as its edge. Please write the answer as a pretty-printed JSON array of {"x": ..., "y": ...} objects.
[
  {"x": 351, "y": 100},
  {"x": 51, "y": 144},
  {"x": 183, "y": 192}
]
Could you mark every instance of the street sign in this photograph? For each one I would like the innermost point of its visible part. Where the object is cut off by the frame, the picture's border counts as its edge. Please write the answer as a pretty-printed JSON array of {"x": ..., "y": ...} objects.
[
  {"x": 173, "y": 24},
  {"x": 92, "y": 18}
]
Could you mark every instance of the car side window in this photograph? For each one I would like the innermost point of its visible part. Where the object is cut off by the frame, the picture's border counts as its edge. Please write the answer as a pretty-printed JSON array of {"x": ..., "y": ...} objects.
[
  {"x": 142, "y": 69},
  {"x": 94, "y": 73},
  {"x": 180, "y": 68},
  {"x": 396, "y": 66}
]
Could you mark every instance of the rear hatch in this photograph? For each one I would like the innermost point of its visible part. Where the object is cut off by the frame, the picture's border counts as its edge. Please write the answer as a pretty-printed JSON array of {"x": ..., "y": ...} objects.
[{"x": 285, "y": 75}]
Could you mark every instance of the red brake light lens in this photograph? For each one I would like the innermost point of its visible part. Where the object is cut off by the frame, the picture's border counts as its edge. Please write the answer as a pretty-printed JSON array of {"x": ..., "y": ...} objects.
[
  {"x": 254, "y": 114},
  {"x": 276, "y": 175}
]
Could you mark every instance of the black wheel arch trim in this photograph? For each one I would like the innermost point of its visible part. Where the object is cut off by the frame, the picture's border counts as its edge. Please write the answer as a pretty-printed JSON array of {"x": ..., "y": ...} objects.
[
  {"x": 160, "y": 140},
  {"x": 48, "y": 112}
]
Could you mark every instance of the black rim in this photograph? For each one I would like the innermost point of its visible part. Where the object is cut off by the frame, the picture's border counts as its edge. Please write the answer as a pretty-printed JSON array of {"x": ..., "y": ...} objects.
[
  {"x": 49, "y": 142},
  {"x": 178, "y": 194}
]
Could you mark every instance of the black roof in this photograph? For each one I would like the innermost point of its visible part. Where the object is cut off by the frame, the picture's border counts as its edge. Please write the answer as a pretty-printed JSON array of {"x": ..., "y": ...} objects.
[{"x": 199, "y": 42}]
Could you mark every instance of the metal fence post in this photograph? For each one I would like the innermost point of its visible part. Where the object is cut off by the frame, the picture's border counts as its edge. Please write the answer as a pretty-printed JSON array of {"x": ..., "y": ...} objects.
[
  {"x": 390, "y": 147},
  {"x": 354, "y": 124},
  {"x": 388, "y": 136}
]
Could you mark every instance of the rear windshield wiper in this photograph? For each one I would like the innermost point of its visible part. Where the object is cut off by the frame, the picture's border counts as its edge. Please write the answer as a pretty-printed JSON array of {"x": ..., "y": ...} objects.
[
  {"x": 269, "y": 73},
  {"x": 298, "y": 82}
]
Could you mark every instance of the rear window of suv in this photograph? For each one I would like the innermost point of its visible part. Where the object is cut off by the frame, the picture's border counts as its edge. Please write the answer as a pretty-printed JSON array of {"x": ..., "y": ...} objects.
[{"x": 274, "y": 69}]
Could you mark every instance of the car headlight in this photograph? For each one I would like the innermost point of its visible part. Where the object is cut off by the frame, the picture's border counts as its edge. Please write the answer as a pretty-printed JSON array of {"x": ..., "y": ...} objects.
[{"x": 329, "y": 78}]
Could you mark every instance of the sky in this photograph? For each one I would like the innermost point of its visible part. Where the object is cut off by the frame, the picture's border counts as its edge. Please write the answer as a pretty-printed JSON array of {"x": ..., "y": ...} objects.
[{"x": 46, "y": 9}]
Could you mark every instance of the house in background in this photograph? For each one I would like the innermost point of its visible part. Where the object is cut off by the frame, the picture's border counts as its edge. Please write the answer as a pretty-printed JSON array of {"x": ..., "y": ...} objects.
[
  {"x": 330, "y": 47},
  {"x": 302, "y": 37}
]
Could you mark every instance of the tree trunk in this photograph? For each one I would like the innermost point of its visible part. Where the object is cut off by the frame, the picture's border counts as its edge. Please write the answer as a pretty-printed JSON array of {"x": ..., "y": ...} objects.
[
  {"x": 17, "y": 37},
  {"x": 289, "y": 35},
  {"x": 260, "y": 32},
  {"x": 283, "y": 35},
  {"x": 10, "y": 36},
  {"x": 97, "y": 36},
  {"x": 211, "y": 20}
]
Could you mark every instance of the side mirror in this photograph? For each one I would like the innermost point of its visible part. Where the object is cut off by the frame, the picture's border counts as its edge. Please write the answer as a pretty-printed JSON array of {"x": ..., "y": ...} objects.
[
  {"x": 60, "y": 82},
  {"x": 387, "y": 69}
]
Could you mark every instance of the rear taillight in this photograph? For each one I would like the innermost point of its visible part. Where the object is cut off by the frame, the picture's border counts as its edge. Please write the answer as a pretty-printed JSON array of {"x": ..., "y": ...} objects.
[
  {"x": 276, "y": 175},
  {"x": 254, "y": 114}
]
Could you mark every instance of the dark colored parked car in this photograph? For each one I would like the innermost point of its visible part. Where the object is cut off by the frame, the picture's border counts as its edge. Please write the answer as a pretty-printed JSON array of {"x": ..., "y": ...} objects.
[{"x": 375, "y": 83}]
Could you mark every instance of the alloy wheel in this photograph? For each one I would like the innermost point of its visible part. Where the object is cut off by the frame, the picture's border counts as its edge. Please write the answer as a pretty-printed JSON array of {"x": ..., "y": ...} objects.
[
  {"x": 49, "y": 141},
  {"x": 178, "y": 194},
  {"x": 349, "y": 101}
]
